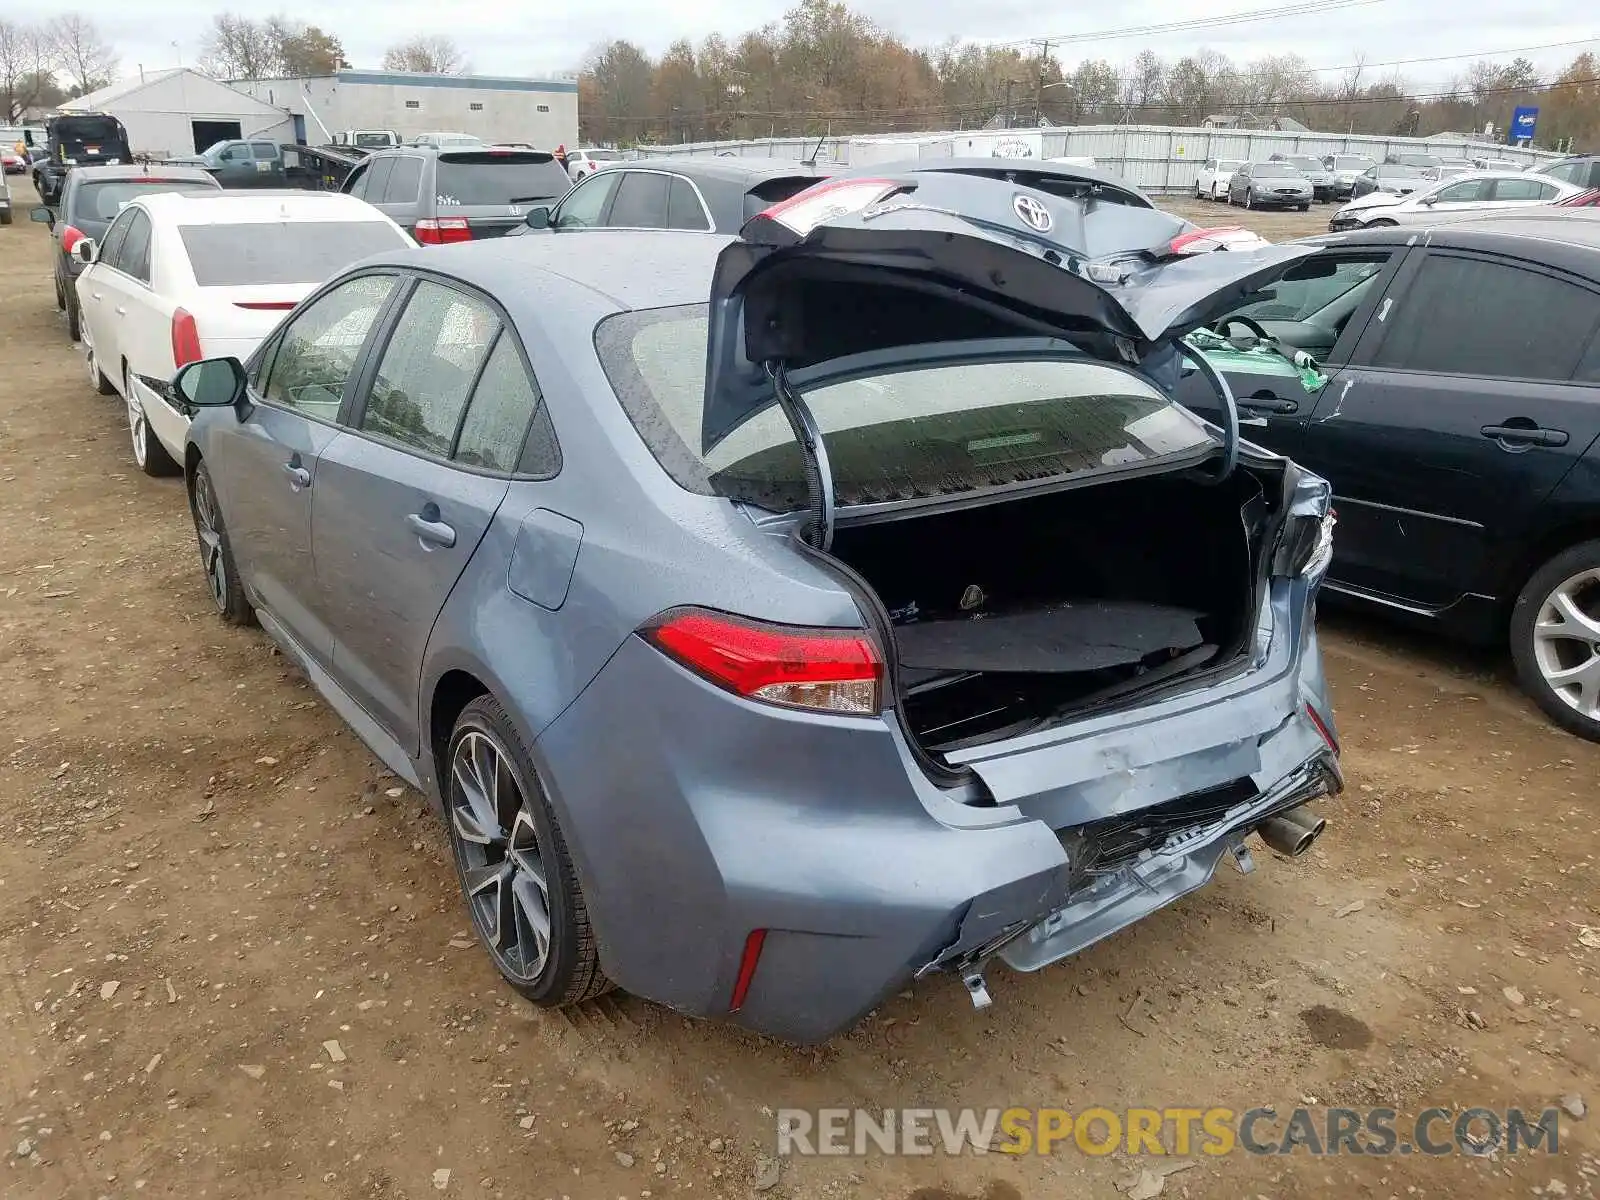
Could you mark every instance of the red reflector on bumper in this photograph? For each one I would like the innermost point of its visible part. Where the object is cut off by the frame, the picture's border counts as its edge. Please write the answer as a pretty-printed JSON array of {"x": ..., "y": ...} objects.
[
  {"x": 1323, "y": 728},
  {"x": 747, "y": 967}
]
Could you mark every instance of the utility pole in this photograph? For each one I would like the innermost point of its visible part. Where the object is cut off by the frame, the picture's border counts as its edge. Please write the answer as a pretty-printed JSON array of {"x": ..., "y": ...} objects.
[
  {"x": 1038, "y": 95},
  {"x": 1009, "y": 84}
]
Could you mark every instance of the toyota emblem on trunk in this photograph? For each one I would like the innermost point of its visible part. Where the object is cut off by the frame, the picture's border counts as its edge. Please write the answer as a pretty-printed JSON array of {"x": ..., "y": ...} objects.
[{"x": 1033, "y": 214}]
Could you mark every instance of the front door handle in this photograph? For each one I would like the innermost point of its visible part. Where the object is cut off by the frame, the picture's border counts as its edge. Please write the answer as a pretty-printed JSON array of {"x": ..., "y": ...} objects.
[
  {"x": 299, "y": 477},
  {"x": 1267, "y": 402},
  {"x": 1525, "y": 435},
  {"x": 433, "y": 532},
  {"x": 96, "y": 296}
]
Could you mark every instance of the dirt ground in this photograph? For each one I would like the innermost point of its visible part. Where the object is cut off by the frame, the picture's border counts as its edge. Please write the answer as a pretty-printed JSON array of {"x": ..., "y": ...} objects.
[{"x": 205, "y": 881}]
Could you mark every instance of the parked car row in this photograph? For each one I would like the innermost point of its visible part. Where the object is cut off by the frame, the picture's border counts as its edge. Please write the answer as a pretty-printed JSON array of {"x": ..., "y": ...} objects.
[
  {"x": 905, "y": 532},
  {"x": 1472, "y": 192}
]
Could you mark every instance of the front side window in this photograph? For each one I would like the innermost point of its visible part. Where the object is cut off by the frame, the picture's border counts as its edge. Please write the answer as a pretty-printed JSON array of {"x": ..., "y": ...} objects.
[
  {"x": 1469, "y": 192},
  {"x": 428, "y": 369},
  {"x": 899, "y": 434},
  {"x": 1474, "y": 316},
  {"x": 582, "y": 208},
  {"x": 319, "y": 349},
  {"x": 1308, "y": 288}
]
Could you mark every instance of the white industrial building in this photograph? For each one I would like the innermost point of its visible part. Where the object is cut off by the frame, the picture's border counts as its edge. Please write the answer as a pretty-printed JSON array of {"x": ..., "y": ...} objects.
[
  {"x": 542, "y": 112},
  {"x": 179, "y": 111}
]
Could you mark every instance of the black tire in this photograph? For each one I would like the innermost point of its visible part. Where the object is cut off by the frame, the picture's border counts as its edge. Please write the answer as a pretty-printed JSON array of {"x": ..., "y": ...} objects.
[
  {"x": 75, "y": 322},
  {"x": 1563, "y": 652},
  {"x": 1381, "y": 223},
  {"x": 148, "y": 452},
  {"x": 5, "y": 216},
  {"x": 568, "y": 969},
  {"x": 1249, "y": 198},
  {"x": 102, "y": 385},
  {"x": 61, "y": 296},
  {"x": 216, "y": 552},
  {"x": 1306, "y": 207}
]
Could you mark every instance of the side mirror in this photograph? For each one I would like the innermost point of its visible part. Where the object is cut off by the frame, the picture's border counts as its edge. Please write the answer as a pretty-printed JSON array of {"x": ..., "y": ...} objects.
[
  {"x": 538, "y": 217},
  {"x": 1430, "y": 201},
  {"x": 87, "y": 251},
  {"x": 211, "y": 383},
  {"x": 43, "y": 215}
]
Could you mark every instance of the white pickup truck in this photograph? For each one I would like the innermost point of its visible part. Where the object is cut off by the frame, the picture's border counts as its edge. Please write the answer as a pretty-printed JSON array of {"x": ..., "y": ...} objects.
[{"x": 367, "y": 139}]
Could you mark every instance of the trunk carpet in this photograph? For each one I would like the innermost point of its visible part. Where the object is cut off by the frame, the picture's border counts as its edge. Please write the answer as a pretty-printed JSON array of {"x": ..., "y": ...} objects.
[{"x": 1089, "y": 635}]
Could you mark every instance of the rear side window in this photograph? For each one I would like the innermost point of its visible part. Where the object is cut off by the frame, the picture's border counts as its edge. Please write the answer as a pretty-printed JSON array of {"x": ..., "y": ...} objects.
[
  {"x": 1523, "y": 189},
  {"x": 263, "y": 150},
  {"x": 405, "y": 182},
  {"x": 1473, "y": 316},
  {"x": 502, "y": 405},
  {"x": 482, "y": 179},
  {"x": 377, "y": 179},
  {"x": 683, "y": 206},
  {"x": 925, "y": 431},
  {"x": 134, "y": 258},
  {"x": 428, "y": 369},
  {"x": 641, "y": 201}
]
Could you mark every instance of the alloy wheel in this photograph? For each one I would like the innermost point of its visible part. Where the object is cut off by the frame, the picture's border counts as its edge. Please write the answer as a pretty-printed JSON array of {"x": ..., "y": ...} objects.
[
  {"x": 502, "y": 867},
  {"x": 209, "y": 528},
  {"x": 1566, "y": 642}
]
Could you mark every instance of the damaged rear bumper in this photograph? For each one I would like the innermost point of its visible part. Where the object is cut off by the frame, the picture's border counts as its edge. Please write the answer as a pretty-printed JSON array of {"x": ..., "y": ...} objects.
[{"x": 1101, "y": 902}]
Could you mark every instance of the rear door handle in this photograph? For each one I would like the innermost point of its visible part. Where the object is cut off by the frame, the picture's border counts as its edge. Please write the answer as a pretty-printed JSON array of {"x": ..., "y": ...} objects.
[
  {"x": 1267, "y": 402},
  {"x": 433, "y": 532},
  {"x": 121, "y": 312},
  {"x": 96, "y": 296},
  {"x": 299, "y": 477},
  {"x": 1525, "y": 435}
]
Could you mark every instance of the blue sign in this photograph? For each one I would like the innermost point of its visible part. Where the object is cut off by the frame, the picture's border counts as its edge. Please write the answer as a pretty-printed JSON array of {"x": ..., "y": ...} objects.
[{"x": 1523, "y": 120}]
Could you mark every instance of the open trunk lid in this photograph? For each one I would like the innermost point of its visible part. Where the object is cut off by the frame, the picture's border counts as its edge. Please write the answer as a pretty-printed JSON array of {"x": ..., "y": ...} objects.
[{"x": 1114, "y": 279}]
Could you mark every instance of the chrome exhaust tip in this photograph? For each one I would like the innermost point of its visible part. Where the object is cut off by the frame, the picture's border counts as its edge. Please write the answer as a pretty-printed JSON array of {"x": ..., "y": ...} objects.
[{"x": 1291, "y": 833}]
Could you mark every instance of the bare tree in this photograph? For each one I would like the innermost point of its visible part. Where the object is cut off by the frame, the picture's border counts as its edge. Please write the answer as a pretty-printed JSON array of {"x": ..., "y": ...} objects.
[
  {"x": 27, "y": 65},
  {"x": 239, "y": 48},
  {"x": 430, "y": 54},
  {"x": 84, "y": 55}
]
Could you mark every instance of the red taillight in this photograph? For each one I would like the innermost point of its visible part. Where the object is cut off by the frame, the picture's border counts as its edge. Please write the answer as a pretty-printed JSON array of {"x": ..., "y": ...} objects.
[
  {"x": 439, "y": 231},
  {"x": 185, "y": 339},
  {"x": 71, "y": 235},
  {"x": 1223, "y": 237},
  {"x": 805, "y": 210},
  {"x": 265, "y": 305},
  {"x": 1323, "y": 728},
  {"x": 825, "y": 670},
  {"x": 747, "y": 968}
]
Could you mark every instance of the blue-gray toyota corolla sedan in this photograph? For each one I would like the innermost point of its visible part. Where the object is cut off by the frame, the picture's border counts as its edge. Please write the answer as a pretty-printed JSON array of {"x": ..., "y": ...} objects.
[{"x": 775, "y": 620}]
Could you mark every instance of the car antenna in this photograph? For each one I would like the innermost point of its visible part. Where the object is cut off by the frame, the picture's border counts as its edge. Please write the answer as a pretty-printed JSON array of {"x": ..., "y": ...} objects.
[{"x": 811, "y": 161}]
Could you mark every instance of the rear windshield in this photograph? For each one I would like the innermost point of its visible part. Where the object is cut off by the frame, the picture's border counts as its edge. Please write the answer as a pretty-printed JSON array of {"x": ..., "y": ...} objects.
[
  {"x": 88, "y": 131},
  {"x": 103, "y": 201},
  {"x": 263, "y": 252},
  {"x": 484, "y": 178},
  {"x": 936, "y": 430}
]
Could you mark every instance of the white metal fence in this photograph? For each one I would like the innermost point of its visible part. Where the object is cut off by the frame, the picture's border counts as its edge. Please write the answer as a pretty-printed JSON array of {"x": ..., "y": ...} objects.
[{"x": 1151, "y": 157}]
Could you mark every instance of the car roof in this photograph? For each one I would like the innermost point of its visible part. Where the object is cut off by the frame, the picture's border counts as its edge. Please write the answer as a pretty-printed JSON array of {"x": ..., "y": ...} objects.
[
  {"x": 154, "y": 171},
  {"x": 733, "y": 170},
  {"x": 1565, "y": 230},
  {"x": 620, "y": 269},
  {"x": 234, "y": 207}
]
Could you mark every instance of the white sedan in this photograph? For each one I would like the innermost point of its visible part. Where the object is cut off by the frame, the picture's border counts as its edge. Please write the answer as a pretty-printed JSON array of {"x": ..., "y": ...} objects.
[
  {"x": 587, "y": 162},
  {"x": 1474, "y": 193},
  {"x": 180, "y": 277},
  {"x": 1212, "y": 183}
]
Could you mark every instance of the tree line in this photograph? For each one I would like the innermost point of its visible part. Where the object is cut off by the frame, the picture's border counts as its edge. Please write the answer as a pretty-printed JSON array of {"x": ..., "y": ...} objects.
[
  {"x": 42, "y": 64},
  {"x": 826, "y": 68}
]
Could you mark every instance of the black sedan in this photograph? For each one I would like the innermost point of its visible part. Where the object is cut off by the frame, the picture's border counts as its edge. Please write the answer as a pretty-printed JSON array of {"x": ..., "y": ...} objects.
[
  {"x": 1457, "y": 414},
  {"x": 709, "y": 194}
]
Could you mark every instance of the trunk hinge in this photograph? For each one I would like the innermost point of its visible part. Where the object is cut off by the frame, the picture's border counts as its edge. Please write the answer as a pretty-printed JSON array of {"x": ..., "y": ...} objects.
[
  {"x": 818, "y": 529},
  {"x": 1230, "y": 413}
]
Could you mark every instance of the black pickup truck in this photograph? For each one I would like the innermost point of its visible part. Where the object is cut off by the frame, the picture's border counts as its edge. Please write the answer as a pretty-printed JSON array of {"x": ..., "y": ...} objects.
[{"x": 79, "y": 140}]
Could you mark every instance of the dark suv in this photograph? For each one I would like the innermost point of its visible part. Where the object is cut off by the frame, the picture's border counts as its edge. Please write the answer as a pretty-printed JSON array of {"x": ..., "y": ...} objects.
[
  {"x": 1459, "y": 425},
  {"x": 457, "y": 195},
  {"x": 91, "y": 198},
  {"x": 79, "y": 140}
]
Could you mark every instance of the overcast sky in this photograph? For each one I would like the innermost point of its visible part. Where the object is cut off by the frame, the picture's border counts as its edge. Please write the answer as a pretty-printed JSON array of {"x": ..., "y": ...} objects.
[{"x": 531, "y": 39}]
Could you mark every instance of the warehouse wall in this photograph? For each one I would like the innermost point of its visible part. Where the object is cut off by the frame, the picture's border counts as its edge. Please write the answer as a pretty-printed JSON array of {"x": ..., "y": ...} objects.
[{"x": 543, "y": 112}]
